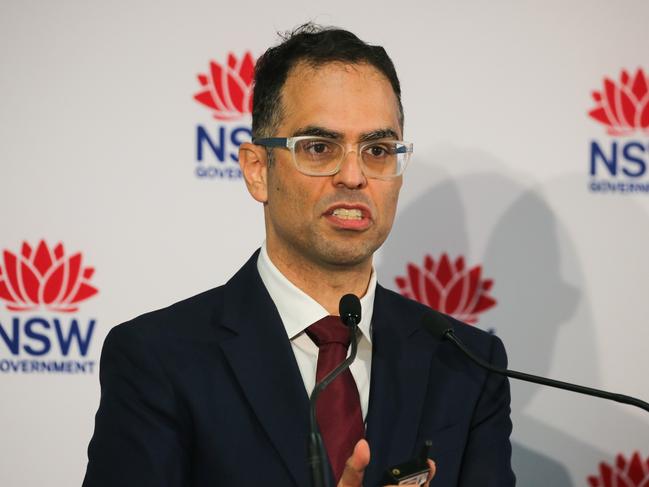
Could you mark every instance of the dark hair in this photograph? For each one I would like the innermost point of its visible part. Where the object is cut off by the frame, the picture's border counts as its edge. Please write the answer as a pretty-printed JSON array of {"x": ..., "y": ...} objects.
[{"x": 315, "y": 45}]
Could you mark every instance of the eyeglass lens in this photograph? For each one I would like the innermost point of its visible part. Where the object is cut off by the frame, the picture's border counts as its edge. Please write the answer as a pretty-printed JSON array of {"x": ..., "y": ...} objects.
[{"x": 380, "y": 158}]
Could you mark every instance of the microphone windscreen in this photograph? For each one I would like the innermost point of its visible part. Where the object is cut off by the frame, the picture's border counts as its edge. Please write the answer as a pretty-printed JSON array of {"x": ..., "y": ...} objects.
[
  {"x": 436, "y": 325},
  {"x": 350, "y": 307}
]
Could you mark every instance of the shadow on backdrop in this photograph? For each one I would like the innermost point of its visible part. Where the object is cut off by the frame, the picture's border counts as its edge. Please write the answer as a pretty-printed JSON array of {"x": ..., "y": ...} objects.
[{"x": 506, "y": 226}]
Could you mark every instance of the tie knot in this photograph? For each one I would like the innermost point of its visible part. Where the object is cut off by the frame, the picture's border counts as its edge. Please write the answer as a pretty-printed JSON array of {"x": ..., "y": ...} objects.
[{"x": 329, "y": 330}]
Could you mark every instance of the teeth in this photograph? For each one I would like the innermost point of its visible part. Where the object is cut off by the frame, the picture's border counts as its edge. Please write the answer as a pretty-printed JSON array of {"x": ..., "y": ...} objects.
[{"x": 345, "y": 214}]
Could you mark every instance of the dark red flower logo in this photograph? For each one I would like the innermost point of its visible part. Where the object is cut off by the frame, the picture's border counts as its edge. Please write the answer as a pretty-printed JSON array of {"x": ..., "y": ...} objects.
[
  {"x": 625, "y": 473},
  {"x": 227, "y": 90},
  {"x": 623, "y": 107},
  {"x": 45, "y": 278},
  {"x": 449, "y": 287}
]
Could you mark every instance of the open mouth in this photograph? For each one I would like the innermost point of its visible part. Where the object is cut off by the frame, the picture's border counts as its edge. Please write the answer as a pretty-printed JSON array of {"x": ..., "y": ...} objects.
[
  {"x": 349, "y": 217},
  {"x": 348, "y": 213}
]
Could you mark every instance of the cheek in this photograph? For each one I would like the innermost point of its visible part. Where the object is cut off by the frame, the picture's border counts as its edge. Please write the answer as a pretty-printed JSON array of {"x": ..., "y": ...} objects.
[
  {"x": 288, "y": 198},
  {"x": 390, "y": 198}
]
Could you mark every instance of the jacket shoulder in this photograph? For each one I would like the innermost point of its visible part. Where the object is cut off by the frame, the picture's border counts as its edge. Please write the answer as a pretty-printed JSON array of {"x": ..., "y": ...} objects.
[
  {"x": 400, "y": 302},
  {"x": 194, "y": 317},
  {"x": 186, "y": 317},
  {"x": 483, "y": 342}
]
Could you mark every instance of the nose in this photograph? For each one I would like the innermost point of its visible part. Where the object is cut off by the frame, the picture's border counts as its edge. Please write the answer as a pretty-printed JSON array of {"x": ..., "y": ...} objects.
[{"x": 351, "y": 173}]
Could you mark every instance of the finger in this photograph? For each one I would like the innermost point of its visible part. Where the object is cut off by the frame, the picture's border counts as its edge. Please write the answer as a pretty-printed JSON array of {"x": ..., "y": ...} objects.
[
  {"x": 355, "y": 466},
  {"x": 432, "y": 468}
]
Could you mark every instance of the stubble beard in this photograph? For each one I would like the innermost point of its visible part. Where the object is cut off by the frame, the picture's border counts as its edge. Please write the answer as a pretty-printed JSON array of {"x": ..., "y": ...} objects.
[
  {"x": 340, "y": 252},
  {"x": 347, "y": 254}
]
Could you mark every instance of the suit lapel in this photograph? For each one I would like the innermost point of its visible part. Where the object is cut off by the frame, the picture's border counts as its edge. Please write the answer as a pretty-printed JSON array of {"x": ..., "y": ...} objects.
[
  {"x": 263, "y": 362},
  {"x": 401, "y": 359}
]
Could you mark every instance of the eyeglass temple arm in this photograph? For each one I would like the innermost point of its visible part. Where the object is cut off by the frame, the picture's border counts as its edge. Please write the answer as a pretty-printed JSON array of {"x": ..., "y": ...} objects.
[{"x": 271, "y": 141}]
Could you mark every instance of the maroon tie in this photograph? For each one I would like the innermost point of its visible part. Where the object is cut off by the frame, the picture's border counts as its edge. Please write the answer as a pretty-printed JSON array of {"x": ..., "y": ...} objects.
[{"x": 339, "y": 408}]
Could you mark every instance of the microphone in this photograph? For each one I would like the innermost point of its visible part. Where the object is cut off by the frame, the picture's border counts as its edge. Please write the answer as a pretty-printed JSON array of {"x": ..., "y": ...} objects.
[
  {"x": 350, "y": 314},
  {"x": 350, "y": 310},
  {"x": 441, "y": 329}
]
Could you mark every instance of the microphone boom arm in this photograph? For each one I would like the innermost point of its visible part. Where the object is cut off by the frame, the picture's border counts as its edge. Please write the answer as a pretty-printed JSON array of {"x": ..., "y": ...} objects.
[
  {"x": 329, "y": 378},
  {"x": 621, "y": 398},
  {"x": 316, "y": 453}
]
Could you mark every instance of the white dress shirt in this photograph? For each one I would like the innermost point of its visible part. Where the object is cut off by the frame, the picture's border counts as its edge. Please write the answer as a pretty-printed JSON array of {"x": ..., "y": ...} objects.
[{"x": 298, "y": 311}]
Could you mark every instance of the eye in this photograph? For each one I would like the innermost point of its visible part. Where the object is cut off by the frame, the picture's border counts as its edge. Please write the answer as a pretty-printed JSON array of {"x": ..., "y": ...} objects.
[
  {"x": 317, "y": 147},
  {"x": 379, "y": 151}
]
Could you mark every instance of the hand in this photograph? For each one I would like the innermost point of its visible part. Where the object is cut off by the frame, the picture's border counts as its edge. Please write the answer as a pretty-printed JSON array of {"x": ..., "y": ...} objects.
[{"x": 355, "y": 467}]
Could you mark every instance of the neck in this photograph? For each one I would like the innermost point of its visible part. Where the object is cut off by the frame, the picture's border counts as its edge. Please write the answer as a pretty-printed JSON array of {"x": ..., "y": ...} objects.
[{"x": 325, "y": 283}]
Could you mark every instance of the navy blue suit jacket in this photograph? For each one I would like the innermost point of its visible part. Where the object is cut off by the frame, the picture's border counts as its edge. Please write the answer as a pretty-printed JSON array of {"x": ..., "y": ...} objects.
[{"x": 207, "y": 392}]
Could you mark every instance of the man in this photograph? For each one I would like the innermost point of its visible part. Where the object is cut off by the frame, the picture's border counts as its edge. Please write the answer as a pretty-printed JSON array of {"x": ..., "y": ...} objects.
[{"x": 214, "y": 390}]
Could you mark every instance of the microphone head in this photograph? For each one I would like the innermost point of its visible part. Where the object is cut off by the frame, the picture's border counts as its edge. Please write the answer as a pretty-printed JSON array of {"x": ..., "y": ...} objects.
[
  {"x": 436, "y": 325},
  {"x": 350, "y": 309}
]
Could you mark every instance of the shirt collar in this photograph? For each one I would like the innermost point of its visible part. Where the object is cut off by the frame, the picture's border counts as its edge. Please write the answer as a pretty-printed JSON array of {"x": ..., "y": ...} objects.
[{"x": 297, "y": 309}]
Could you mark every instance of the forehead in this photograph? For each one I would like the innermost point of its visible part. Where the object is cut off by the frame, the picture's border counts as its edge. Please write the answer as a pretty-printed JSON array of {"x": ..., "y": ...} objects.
[{"x": 348, "y": 98}]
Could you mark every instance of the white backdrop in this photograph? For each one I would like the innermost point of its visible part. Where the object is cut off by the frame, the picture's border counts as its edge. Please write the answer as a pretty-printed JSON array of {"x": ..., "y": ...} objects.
[{"x": 98, "y": 151}]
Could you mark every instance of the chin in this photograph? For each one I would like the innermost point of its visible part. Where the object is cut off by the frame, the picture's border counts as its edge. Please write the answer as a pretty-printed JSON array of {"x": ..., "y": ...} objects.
[{"x": 346, "y": 255}]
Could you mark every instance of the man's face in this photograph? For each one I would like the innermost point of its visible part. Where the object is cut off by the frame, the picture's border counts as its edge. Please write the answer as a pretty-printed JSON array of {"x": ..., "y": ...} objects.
[{"x": 337, "y": 220}]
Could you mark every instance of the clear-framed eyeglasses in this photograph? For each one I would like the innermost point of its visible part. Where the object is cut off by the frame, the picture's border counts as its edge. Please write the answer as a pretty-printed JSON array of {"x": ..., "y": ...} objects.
[{"x": 320, "y": 156}]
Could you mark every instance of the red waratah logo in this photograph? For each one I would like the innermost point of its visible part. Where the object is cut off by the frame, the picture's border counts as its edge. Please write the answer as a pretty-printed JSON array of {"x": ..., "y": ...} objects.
[
  {"x": 625, "y": 473},
  {"x": 44, "y": 278},
  {"x": 227, "y": 90},
  {"x": 449, "y": 287},
  {"x": 623, "y": 107}
]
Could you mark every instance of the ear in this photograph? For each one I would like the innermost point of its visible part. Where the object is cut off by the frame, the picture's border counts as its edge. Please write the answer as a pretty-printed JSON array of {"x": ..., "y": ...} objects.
[{"x": 253, "y": 161}]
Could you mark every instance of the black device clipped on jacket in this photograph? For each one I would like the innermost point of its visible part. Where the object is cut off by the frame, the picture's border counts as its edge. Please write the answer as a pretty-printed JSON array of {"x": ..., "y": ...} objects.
[
  {"x": 350, "y": 314},
  {"x": 413, "y": 472}
]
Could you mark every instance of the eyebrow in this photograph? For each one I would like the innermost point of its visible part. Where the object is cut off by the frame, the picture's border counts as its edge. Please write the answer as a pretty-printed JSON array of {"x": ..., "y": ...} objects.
[
  {"x": 316, "y": 131},
  {"x": 378, "y": 134}
]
